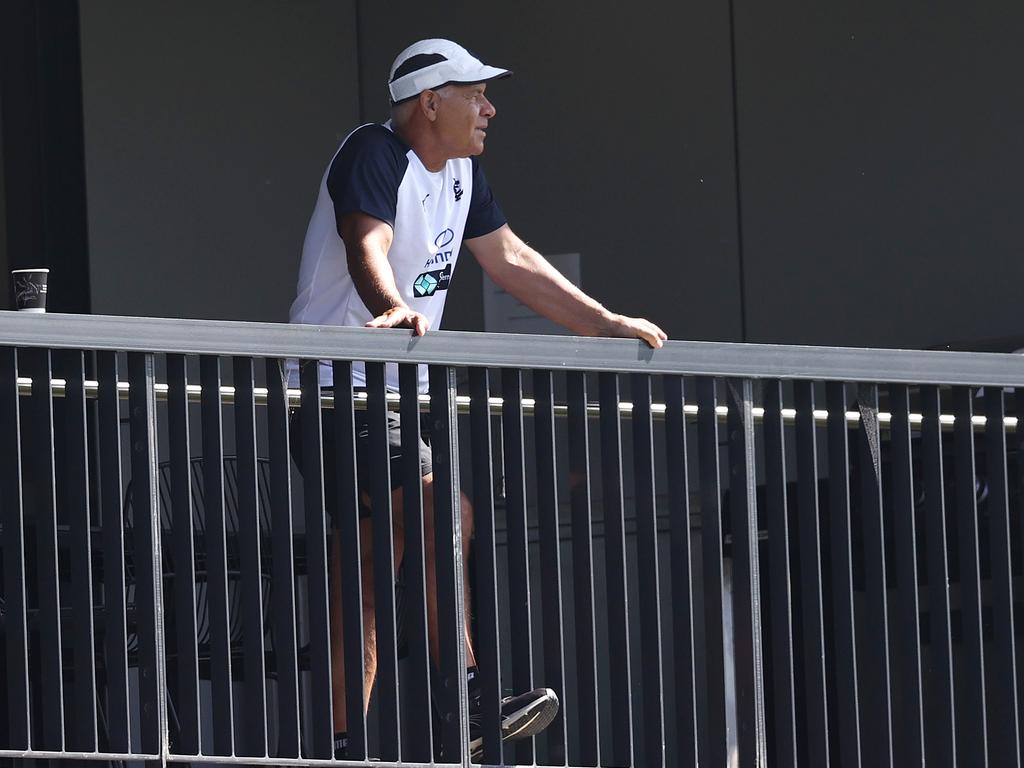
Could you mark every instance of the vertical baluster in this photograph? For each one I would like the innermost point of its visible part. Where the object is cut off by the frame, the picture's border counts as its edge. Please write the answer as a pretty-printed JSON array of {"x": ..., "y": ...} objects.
[
  {"x": 251, "y": 582},
  {"x": 844, "y": 651},
  {"x": 1016, "y": 483},
  {"x": 781, "y": 600},
  {"x": 321, "y": 715},
  {"x": 878, "y": 716},
  {"x": 148, "y": 588},
  {"x": 216, "y": 557},
  {"x": 615, "y": 568},
  {"x": 682, "y": 576},
  {"x": 814, "y": 737},
  {"x": 713, "y": 744},
  {"x": 1004, "y": 723},
  {"x": 13, "y": 521},
  {"x": 908, "y": 722},
  {"x": 940, "y": 724},
  {"x": 973, "y": 726},
  {"x": 41, "y": 465},
  {"x": 115, "y": 658},
  {"x": 350, "y": 553},
  {"x": 587, "y": 716},
  {"x": 647, "y": 555},
  {"x": 448, "y": 534},
  {"x": 518, "y": 541},
  {"x": 751, "y": 739},
  {"x": 186, "y": 660},
  {"x": 282, "y": 563},
  {"x": 488, "y": 648},
  {"x": 550, "y": 560},
  {"x": 420, "y": 743},
  {"x": 383, "y": 561},
  {"x": 77, "y": 479}
]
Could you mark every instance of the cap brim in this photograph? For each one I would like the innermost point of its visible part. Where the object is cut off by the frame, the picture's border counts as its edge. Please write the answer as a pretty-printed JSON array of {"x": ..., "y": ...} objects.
[{"x": 484, "y": 74}]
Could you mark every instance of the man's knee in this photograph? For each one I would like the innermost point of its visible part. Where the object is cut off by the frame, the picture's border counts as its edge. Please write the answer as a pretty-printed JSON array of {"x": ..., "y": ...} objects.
[{"x": 428, "y": 508}]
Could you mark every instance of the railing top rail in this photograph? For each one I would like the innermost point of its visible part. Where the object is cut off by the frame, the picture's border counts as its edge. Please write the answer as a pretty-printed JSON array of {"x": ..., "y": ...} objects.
[{"x": 775, "y": 361}]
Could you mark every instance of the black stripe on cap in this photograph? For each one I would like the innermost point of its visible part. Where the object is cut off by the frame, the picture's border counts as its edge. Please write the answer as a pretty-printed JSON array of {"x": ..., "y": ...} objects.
[{"x": 416, "y": 63}]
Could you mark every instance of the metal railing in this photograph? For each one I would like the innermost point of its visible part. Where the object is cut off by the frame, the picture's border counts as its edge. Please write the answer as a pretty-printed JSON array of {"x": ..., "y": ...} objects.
[{"x": 763, "y": 554}]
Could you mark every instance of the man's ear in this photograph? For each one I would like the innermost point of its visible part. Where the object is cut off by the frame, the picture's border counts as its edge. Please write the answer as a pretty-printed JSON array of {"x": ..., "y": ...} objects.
[{"x": 429, "y": 103}]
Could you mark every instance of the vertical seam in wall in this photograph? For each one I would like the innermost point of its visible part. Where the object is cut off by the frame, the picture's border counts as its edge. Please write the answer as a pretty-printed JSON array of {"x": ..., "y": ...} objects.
[
  {"x": 39, "y": 145},
  {"x": 86, "y": 275},
  {"x": 359, "y": 61},
  {"x": 736, "y": 165},
  {"x": 4, "y": 265}
]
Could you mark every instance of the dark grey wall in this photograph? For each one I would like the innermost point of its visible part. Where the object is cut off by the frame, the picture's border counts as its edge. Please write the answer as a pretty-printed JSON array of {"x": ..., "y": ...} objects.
[
  {"x": 613, "y": 139},
  {"x": 881, "y": 161},
  {"x": 878, "y": 155},
  {"x": 207, "y": 128},
  {"x": 5, "y": 299},
  {"x": 44, "y": 216}
]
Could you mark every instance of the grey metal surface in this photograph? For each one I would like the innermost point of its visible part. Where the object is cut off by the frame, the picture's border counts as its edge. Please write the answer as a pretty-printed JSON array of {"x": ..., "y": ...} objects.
[
  {"x": 42, "y": 754},
  {"x": 509, "y": 350}
]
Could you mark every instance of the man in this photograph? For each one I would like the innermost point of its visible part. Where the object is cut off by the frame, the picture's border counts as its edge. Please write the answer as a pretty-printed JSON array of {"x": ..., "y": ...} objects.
[{"x": 396, "y": 203}]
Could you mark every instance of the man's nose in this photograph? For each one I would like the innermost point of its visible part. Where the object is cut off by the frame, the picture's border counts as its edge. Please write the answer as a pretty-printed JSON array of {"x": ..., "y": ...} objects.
[{"x": 489, "y": 109}]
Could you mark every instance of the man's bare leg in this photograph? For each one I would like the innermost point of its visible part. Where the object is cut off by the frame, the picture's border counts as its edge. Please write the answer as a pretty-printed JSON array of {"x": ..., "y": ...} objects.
[
  {"x": 522, "y": 716},
  {"x": 369, "y": 612},
  {"x": 430, "y": 565}
]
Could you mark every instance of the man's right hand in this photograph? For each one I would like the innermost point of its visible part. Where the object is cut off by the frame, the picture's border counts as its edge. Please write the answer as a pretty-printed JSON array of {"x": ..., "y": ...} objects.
[{"x": 401, "y": 317}]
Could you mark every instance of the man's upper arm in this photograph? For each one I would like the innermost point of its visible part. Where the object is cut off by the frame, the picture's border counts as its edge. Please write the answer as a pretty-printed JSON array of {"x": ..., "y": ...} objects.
[
  {"x": 362, "y": 232},
  {"x": 365, "y": 175}
]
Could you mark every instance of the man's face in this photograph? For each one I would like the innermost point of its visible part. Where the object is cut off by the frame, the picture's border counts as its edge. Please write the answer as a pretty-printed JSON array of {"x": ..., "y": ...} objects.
[{"x": 462, "y": 117}]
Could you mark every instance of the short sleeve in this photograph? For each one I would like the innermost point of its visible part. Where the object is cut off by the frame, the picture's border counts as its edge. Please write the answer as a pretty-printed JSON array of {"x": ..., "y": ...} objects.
[
  {"x": 366, "y": 173},
  {"x": 485, "y": 215}
]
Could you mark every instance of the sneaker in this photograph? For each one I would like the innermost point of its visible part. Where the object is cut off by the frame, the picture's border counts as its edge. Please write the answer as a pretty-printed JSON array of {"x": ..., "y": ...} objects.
[{"x": 522, "y": 716}]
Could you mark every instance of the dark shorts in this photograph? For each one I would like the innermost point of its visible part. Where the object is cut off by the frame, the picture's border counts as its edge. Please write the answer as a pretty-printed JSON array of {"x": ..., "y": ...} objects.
[{"x": 330, "y": 443}]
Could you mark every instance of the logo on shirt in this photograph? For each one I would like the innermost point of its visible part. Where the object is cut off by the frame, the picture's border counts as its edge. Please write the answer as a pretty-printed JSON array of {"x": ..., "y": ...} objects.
[
  {"x": 457, "y": 188},
  {"x": 442, "y": 253},
  {"x": 429, "y": 283}
]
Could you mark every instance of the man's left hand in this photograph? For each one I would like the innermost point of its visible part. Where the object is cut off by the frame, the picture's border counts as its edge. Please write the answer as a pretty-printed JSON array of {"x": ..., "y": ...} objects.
[{"x": 638, "y": 328}]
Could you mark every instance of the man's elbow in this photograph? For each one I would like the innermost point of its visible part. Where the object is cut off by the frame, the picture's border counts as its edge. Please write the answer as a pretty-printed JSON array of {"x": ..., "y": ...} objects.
[{"x": 516, "y": 255}]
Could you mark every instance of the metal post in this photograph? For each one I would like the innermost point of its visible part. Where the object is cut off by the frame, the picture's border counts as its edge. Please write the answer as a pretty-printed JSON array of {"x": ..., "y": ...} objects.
[
  {"x": 145, "y": 478},
  {"x": 746, "y": 576},
  {"x": 448, "y": 533}
]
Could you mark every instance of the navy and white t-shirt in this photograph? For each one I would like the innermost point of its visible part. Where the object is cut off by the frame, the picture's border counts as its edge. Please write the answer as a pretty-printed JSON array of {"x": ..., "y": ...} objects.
[{"x": 431, "y": 213}]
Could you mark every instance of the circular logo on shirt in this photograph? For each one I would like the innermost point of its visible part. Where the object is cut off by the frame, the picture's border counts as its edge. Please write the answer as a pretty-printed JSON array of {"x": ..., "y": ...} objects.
[{"x": 444, "y": 238}]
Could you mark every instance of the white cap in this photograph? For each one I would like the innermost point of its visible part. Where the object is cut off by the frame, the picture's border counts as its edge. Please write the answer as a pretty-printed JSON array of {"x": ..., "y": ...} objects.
[{"x": 435, "y": 63}]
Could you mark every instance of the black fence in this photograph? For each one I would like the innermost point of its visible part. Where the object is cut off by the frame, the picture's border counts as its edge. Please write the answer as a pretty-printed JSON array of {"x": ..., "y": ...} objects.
[{"x": 714, "y": 554}]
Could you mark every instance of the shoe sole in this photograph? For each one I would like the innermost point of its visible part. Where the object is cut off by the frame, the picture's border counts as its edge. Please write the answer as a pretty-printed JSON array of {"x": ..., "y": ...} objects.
[{"x": 523, "y": 723}]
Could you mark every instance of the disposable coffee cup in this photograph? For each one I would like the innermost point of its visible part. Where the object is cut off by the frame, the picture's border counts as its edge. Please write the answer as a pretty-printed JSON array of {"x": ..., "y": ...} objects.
[{"x": 29, "y": 287}]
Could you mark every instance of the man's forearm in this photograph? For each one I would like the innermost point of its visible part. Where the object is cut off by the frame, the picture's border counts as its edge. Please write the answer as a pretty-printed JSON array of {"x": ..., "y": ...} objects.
[
  {"x": 374, "y": 280},
  {"x": 529, "y": 277},
  {"x": 533, "y": 280}
]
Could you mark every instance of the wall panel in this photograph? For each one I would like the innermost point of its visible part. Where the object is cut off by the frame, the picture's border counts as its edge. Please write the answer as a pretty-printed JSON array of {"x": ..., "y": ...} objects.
[
  {"x": 208, "y": 126},
  {"x": 881, "y": 161}
]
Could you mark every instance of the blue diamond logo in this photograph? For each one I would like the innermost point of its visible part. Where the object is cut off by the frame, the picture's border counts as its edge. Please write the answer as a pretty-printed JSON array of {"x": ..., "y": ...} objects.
[{"x": 425, "y": 285}]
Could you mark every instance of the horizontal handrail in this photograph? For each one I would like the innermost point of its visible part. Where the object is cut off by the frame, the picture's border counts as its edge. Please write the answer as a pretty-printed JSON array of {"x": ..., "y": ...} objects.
[{"x": 496, "y": 350}]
